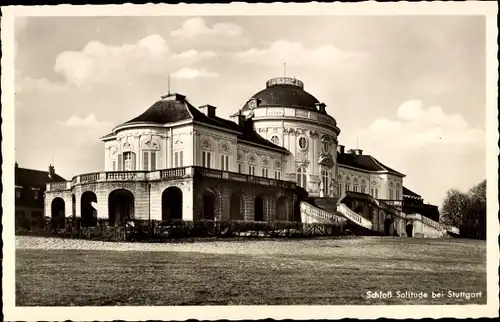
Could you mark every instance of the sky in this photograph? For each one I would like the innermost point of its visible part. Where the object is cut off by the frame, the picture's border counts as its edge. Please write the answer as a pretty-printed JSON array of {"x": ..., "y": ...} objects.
[{"x": 409, "y": 90}]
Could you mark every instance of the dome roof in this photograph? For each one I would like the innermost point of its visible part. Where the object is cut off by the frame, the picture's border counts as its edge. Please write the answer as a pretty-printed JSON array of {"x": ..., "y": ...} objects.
[{"x": 283, "y": 91}]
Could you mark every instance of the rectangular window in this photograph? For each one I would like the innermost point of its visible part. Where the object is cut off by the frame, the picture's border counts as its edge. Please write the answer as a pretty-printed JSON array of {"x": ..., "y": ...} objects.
[
  {"x": 203, "y": 158},
  {"x": 376, "y": 193},
  {"x": 153, "y": 161},
  {"x": 265, "y": 172},
  {"x": 397, "y": 194},
  {"x": 277, "y": 175},
  {"x": 206, "y": 159},
  {"x": 239, "y": 167},
  {"x": 145, "y": 160},
  {"x": 224, "y": 162},
  {"x": 114, "y": 165},
  {"x": 36, "y": 194},
  {"x": 390, "y": 194},
  {"x": 120, "y": 162},
  {"x": 347, "y": 187},
  {"x": 372, "y": 193},
  {"x": 176, "y": 159},
  {"x": 181, "y": 159},
  {"x": 363, "y": 189},
  {"x": 355, "y": 188},
  {"x": 251, "y": 170}
]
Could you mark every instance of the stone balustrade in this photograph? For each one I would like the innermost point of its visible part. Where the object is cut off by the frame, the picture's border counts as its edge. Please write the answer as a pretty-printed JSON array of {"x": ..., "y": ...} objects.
[
  {"x": 351, "y": 215},
  {"x": 165, "y": 174},
  {"x": 311, "y": 210}
]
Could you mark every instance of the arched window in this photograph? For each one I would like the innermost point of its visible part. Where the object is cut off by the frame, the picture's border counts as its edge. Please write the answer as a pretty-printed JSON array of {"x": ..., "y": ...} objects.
[
  {"x": 302, "y": 177},
  {"x": 363, "y": 186},
  {"x": 355, "y": 185},
  {"x": 326, "y": 146},
  {"x": 275, "y": 140},
  {"x": 326, "y": 179}
]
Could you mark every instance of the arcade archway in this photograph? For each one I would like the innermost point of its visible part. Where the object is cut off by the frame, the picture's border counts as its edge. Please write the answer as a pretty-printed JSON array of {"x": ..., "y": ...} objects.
[
  {"x": 120, "y": 206},
  {"x": 171, "y": 204}
]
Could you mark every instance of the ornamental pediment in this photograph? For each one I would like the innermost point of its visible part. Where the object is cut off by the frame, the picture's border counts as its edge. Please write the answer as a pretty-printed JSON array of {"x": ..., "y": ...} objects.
[{"x": 326, "y": 160}]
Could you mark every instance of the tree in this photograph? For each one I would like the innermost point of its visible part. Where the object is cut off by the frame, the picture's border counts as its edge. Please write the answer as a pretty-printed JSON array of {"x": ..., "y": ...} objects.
[{"x": 467, "y": 211}]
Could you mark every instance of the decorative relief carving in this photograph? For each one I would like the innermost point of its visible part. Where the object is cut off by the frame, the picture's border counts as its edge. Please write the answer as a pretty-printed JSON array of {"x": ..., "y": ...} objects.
[
  {"x": 251, "y": 159},
  {"x": 374, "y": 183},
  {"x": 127, "y": 146},
  {"x": 301, "y": 113},
  {"x": 265, "y": 162},
  {"x": 224, "y": 147},
  {"x": 277, "y": 164},
  {"x": 302, "y": 163},
  {"x": 313, "y": 134},
  {"x": 206, "y": 144},
  {"x": 240, "y": 156},
  {"x": 113, "y": 149},
  {"x": 262, "y": 130},
  {"x": 326, "y": 160},
  {"x": 149, "y": 144},
  {"x": 275, "y": 112}
]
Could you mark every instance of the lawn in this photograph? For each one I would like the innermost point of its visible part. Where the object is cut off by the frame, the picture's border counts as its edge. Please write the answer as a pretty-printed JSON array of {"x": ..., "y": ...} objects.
[{"x": 259, "y": 272}]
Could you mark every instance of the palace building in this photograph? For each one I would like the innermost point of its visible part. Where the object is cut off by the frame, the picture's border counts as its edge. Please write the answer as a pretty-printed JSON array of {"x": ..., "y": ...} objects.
[{"x": 278, "y": 158}]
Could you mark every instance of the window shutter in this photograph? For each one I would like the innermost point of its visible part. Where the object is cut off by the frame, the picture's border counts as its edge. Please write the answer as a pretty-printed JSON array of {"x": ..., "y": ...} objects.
[{"x": 120, "y": 162}]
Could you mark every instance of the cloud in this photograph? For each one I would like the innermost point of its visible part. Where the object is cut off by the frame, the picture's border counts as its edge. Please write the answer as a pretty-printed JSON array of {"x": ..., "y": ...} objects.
[
  {"x": 101, "y": 63},
  {"x": 90, "y": 122},
  {"x": 295, "y": 53},
  {"x": 417, "y": 126},
  {"x": 190, "y": 73},
  {"x": 196, "y": 27}
]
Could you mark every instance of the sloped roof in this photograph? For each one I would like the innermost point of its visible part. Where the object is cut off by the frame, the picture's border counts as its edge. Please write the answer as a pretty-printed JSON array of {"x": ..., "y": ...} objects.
[
  {"x": 29, "y": 178},
  {"x": 285, "y": 95},
  {"x": 364, "y": 162},
  {"x": 175, "y": 107},
  {"x": 408, "y": 192},
  {"x": 248, "y": 133}
]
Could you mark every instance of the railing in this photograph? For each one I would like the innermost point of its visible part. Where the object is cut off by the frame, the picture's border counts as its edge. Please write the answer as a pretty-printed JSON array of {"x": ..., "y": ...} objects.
[
  {"x": 211, "y": 173},
  {"x": 354, "y": 217},
  {"x": 91, "y": 177},
  {"x": 394, "y": 203},
  {"x": 310, "y": 210},
  {"x": 58, "y": 186},
  {"x": 164, "y": 174},
  {"x": 172, "y": 173}
]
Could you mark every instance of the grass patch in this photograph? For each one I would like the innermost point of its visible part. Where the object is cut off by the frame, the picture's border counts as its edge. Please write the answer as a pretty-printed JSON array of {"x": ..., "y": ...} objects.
[{"x": 321, "y": 272}]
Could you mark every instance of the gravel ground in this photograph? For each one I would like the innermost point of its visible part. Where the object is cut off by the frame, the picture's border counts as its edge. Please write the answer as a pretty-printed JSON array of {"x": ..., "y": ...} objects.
[{"x": 404, "y": 248}]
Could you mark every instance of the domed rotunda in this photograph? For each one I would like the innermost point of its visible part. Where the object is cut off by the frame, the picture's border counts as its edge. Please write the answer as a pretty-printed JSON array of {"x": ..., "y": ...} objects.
[{"x": 288, "y": 116}]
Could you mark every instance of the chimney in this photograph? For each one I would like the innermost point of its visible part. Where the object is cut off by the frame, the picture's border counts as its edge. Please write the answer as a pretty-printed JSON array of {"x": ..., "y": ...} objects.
[
  {"x": 321, "y": 107},
  {"x": 51, "y": 171},
  {"x": 358, "y": 151},
  {"x": 341, "y": 149},
  {"x": 174, "y": 97},
  {"x": 208, "y": 110},
  {"x": 241, "y": 119}
]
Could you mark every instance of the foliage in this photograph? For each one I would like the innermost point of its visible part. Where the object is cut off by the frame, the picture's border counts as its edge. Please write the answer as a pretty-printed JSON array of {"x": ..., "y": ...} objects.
[{"x": 467, "y": 211}]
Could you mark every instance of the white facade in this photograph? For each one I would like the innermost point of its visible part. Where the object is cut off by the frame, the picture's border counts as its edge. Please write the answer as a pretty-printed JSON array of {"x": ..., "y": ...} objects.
[{"x": 138, "y": 147}]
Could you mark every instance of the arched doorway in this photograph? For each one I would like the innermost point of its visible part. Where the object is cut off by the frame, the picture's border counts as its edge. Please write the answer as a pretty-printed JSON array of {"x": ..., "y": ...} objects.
[
  {"x": 208, "y": 210},
  {"x": 409, "y": 230},
  {"x": 282, "y": 209},
  {"x": 87, "y": 210},
  {"x": 58, "y": 212},
  {"x": 171, "y": 204},
  {"x": 389, "y": 227},
  {"x": 236, "y": 212},
  {"x": 258, "y": 212},
  {"x": 120, "y": 206}
]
